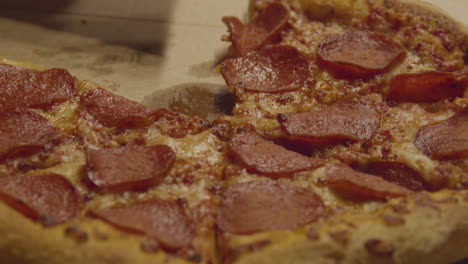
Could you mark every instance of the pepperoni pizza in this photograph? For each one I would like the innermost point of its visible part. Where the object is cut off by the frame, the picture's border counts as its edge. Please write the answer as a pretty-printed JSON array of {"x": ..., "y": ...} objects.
[{"x": 348, "y": 143}]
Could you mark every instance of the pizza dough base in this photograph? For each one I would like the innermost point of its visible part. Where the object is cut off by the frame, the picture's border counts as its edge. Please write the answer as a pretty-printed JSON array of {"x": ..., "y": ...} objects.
[
  {"x": 436, "y": 233},
  {"x": 429, "y": 235},
  {"x": 26, "y": 242}
]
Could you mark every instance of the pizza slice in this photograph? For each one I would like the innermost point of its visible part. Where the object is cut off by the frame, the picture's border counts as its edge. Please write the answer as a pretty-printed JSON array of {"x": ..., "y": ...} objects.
[
  {"x": 356, "y": 117},
  {"x": 90, "y": 176}
]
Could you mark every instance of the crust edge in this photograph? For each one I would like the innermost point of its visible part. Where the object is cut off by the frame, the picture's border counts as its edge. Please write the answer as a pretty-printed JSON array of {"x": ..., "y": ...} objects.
[{"x": 432, "y": 234}]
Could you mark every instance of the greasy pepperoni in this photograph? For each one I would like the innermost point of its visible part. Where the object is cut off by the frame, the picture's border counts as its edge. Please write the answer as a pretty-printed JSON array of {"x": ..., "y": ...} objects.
[
  {"x": 356, "y": 54},
  {"x": 398, "y": 173},
  {"x": 264, "y": 157},
  {"x": 50, "y": 198},
  {"x": 20, "y": 87},
  {"x": 361, "y": 186},
  {"x": 345, "y": 120},
  {"x": 266, "y": 26},
  {"x": 127, "y": 168},
  {"x": 23, "y": 132},
  {"x": 273, "y": 70},
  {"x": 267, "y": 205},
  {"x": 111, "y": 110},
  {"x": 426, "y": 87},
  {"x": 445, "y": 140},
  {"x": 164, "y": 220}
]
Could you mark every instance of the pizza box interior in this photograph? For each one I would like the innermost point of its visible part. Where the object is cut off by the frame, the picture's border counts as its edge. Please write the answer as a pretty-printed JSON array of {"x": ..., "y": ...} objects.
[{"x": 162, "y": 53}]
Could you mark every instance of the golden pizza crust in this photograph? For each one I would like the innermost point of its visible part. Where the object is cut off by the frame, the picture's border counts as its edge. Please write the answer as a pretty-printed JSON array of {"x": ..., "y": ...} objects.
[
  {"x": 26, "y": 242},
  {"x": 428, "y": 235},
  {"x": 422, "y": 228},
  {"x": 433, "y": 13},
  {"x": 360, "y": 9}
]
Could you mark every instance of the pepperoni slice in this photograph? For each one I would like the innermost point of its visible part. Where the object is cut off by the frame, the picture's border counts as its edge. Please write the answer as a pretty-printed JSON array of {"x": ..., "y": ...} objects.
[
  {"x": 445, "y": 140},
  {"x": 345, "y": 120},
  {"x": 164, "y": 220},
  {"x": 127, "y": 168},
  {"x": 266, "y": 205},
  {"x": 264, "y": 157},
  {"x": 426, "y": 87},
  {"x": 357, "y": 54},
  {"x": 20, "y": 87},
  {"x": 397, "y": 173},
  {"x": 23, "y": 132},
  {"x": 273, "y": 70},
  {"x": 111, "y": 110},
  {"x": 361, "y": 186},
  {"x": 266, "y": 26},
  {"x": 50, "y": 198}
]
